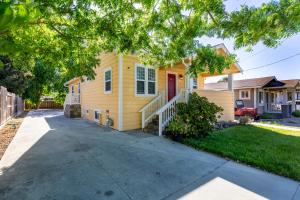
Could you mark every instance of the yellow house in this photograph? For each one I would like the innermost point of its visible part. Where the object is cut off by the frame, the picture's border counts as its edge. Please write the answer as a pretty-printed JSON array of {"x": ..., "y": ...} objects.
[{"x": 131, "y": 94}]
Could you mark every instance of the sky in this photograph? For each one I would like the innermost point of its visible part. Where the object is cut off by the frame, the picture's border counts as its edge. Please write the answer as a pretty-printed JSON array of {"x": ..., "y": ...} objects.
[{"x": 261, "y": 55}]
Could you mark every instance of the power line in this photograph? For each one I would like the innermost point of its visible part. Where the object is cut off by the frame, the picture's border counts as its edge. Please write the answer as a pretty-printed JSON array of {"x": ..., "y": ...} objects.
[{"x": 266, "y": 65}]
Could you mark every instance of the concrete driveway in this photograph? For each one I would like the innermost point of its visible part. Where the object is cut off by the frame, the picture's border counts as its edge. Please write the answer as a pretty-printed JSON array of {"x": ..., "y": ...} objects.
[{"x": 53, "y": 157}]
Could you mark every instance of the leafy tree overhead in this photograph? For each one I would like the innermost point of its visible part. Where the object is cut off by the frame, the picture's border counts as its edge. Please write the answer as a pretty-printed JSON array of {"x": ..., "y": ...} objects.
[
  {"x": 15, "y": 80},
  {"x": 69, "y": 34},
  {"x": 42, "y": 78}
]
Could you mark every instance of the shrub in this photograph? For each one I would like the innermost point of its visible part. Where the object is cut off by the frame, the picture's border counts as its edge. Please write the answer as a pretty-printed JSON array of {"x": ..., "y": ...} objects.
[
  {"x": 266, "y": 116},
  {"x": 196, "y": 118},
  {"x": 296, "y": 113},
  {"x": 245, "y": 120}
]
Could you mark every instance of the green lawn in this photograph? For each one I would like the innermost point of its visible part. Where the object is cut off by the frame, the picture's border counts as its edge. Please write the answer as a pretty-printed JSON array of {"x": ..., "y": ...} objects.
[{"x": 271, "y": 149}]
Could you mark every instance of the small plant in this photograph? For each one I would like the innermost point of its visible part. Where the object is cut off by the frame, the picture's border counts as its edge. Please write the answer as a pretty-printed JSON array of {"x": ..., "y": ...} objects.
[
  {"x": 266, "y": 116},
  {"x": 296, "y": 113},
  {"x": 196, "y": 118},
  {"x": 245, "y": 120}
]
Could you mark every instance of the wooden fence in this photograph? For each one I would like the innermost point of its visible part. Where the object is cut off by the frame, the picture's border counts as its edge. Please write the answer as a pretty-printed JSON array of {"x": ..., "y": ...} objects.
[
  {"x": 10, "y": 105},
  {"x": 50, "y": 104}
]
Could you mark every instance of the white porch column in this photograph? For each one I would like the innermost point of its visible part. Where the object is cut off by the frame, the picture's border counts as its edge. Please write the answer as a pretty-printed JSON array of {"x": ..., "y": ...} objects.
[
  {"x": 230, "y": 82},
  {"x": 285, "y": 97},
  {"x": 293, "y": 100}
]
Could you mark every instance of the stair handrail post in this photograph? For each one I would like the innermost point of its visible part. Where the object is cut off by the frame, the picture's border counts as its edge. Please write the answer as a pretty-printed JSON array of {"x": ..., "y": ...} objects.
[
  {"x": 143, "y": 119},
  {"x": 160, "y": 124}
]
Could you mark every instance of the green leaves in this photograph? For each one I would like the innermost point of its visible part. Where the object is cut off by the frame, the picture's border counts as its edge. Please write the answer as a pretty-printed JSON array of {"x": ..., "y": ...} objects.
[
  {"x": 68, "y": 35},
  {"x": 16, "y": 14},
  {"x": 207, "y": 59}
]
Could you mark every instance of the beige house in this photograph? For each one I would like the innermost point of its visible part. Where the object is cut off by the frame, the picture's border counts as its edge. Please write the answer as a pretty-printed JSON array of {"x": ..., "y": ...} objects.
[
  {"x": 131, "y": 94},
  {"x": 267, "y": 94}
]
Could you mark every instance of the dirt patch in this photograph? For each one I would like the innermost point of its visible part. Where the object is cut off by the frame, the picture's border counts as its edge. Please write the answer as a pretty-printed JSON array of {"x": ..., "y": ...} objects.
[{"x": 8, "y": 132}]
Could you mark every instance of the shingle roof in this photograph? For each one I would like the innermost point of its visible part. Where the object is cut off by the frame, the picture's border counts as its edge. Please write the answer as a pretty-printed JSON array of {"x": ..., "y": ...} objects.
[
  {"x": 291, "y": 82},
  {"x": 246, "y": 83}
]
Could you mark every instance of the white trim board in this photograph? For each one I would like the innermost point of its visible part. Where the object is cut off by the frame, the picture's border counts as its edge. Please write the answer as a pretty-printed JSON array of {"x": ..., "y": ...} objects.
[{"x": 120, "y": 93}]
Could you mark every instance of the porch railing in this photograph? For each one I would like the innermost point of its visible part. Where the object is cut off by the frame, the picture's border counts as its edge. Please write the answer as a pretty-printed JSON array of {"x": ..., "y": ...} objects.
[
  {"x": 72, "y": 99},
  {"x": 168, "y": 111},
  {"x": 148, "y": 111},
  {"x": 274, "y": 107}
]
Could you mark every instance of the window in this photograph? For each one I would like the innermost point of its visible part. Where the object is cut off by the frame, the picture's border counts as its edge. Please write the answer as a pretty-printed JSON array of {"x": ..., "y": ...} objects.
[
  {"x": 107, "y": 81},
  {"x": 96, "y": 115},
  {"x": 72, "y": 89},
  {"x": 260, "y": 97},
  {"x": 289, "y": 96},
  {"x": 244, "y": 94},
  {"x": 298, "y": 95},
  {"x": 78, "y": 88},
  {"x": 145, "y": 80},
  {"x": 195, "y": 83}
]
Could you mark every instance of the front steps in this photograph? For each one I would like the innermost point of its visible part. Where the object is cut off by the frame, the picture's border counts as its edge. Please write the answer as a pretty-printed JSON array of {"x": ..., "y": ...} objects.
[{"x": 152, "y": 127}]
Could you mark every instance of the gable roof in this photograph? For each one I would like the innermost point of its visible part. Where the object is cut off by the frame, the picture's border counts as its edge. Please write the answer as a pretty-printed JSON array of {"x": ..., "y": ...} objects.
[
  {"x": 269, "y": 81},
  {"x": 291, "y": 82},
  {"x": 238, "y": 84}
]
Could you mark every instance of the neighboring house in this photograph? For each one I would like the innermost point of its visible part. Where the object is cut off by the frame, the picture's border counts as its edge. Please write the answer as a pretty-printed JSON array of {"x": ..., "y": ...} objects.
[
  {"x": 132, "y": 94},
  {"x": 267, "y": 94}
]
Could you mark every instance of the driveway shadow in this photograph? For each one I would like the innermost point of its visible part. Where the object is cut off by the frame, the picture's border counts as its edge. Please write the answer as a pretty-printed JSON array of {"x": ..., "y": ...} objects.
[{"x": 53, "y": 157}]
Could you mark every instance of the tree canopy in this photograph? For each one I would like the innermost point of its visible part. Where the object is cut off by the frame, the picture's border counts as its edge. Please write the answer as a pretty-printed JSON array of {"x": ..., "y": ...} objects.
[{"x": 68, "y": 35}]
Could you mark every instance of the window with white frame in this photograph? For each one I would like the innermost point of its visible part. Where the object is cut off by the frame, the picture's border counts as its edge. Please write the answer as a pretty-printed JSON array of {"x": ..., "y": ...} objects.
[
  {"x": 260, "y": 97},
  {"x": 244, "y": 94},
  {"x": 78, "y": 88},
  {"x": 145, "y": 80},
  {"x": 72, "y": 89},
  {"x": 107, "y": 81},
  {"x": 195, "y": 83},
  {"x": 297, "y": 95}
]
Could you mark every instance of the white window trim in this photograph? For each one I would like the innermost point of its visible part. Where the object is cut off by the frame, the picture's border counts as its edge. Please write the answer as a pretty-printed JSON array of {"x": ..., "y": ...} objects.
[
  {"x": 97, "y": 110},
  {"x": 196, "y": 86},
  {"x": 104, "y": 81},
  {"x": 247, "y": 98},
  {"x": 146, "y": 81}
]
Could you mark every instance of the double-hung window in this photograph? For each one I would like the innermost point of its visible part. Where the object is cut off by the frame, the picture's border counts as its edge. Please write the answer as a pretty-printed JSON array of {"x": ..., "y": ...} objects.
[
  {"x": 107, "y": 81},
  {"x": 297, "y": 95},
  {"x": 145, "y": 80},
  {"x": 244, "y": 94},
  {"x": 195, "y": 83}
]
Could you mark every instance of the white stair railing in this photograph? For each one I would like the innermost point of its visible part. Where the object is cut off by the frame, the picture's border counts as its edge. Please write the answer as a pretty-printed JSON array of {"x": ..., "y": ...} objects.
[
  {"x": 168, "y": 111},
  {"x": 148, "y": 111},
  {"x": 72, "y": 99}
]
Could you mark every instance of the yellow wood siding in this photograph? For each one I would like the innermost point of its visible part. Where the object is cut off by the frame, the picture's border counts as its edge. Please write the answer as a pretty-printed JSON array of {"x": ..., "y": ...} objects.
[
  {"x": 221, "y": 98},
  {"x": 92, "y": 92},
  {"x": 132, "y": 103},
  {"x": 75, "y": 84}
]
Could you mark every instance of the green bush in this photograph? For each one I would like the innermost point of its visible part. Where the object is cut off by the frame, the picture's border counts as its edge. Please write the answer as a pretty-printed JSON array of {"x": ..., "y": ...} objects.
[
  {"x": 296, "y": 113},
  {"x": 266, "y": 116},
  {"x": 196, "y": 118}
]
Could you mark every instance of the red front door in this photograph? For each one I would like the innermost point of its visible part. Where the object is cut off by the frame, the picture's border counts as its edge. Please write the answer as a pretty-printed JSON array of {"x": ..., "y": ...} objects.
[{"x": 171, "y": 86}]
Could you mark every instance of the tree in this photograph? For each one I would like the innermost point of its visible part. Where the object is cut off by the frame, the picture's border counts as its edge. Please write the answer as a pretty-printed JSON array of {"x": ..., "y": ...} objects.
[
  {"x": 15, "y": 80},
  {"x": 42, "y": 79},
  {"x": 69, "y": 35}
]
